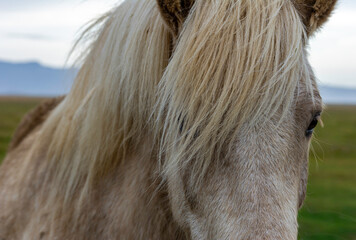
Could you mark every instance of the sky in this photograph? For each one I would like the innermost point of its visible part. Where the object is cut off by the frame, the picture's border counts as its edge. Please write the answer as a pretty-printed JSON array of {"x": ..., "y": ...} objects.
[{"x": 44, "y": 31}]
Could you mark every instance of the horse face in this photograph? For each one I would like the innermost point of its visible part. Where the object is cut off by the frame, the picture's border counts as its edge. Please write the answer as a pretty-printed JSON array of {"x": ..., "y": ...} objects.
[{"x": 254, "y": 191}]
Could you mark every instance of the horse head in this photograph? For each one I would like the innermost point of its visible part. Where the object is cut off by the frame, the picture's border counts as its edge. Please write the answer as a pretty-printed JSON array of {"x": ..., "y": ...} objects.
[{"x": 238, "y": 118}]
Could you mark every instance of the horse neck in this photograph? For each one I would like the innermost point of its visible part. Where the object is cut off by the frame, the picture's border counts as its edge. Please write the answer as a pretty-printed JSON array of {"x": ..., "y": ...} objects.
[{"x": 141, "y": 198}]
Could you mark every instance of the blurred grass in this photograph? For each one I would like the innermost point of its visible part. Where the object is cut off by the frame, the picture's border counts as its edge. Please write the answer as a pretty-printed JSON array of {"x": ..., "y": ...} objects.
[
  {"x": 329, "y": 212},
  {"x": 12, "y": 110}
]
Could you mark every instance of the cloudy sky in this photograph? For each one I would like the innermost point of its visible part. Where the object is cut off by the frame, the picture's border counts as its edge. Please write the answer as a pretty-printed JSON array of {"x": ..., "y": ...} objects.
[{"x": 44, "y": 30}]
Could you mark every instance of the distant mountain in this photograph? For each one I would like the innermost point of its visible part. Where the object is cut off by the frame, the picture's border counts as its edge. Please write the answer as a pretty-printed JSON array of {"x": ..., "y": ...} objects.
[
  {"x": 33, "y": 79},
  {"x": 338, "y": 95}
]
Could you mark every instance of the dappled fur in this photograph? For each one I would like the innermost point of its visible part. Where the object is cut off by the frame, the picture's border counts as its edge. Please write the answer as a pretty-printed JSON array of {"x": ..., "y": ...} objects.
[{"x": 181, "y": 124}]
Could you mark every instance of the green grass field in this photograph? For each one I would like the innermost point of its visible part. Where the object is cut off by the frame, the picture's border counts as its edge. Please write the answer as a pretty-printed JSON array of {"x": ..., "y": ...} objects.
[
  {"x": 11, "y": 112},
  {"x": 329, "y": 212}
]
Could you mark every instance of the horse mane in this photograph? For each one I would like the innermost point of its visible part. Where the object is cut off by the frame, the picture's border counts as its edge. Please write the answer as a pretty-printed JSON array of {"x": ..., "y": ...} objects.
[
  {"x": 105, "y": 115},
  {"x": 235, "y": 63}
]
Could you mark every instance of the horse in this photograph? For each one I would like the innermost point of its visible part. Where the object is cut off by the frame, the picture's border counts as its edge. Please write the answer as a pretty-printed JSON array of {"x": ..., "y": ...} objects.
[{"x": 188, "y": 119}]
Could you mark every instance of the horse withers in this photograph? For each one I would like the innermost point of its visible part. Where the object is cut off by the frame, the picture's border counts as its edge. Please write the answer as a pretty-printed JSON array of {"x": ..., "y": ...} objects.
[{"x": 189, "y": 119}]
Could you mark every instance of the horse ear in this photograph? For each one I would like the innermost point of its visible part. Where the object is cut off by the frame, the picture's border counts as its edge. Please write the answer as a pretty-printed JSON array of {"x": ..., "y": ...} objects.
[
  {"x": 174, "y": 12},
  {"x": 315, "y": 12}
]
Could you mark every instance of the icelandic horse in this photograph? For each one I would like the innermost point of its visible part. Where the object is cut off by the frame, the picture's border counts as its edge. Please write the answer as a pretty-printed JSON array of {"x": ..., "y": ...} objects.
[{"x": 189, "y": 119}]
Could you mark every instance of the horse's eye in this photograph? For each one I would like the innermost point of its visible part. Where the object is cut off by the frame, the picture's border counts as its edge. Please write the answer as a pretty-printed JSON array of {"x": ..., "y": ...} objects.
[{"x": 312, "y": 125}]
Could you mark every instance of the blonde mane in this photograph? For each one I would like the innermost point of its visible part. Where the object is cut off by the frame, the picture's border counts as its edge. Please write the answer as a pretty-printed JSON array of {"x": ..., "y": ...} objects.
[{"x": 235, "y": 63}]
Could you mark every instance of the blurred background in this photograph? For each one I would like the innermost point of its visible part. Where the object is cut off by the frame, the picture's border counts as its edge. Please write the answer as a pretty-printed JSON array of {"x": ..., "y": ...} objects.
[{"x": 36, "y": 37}]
